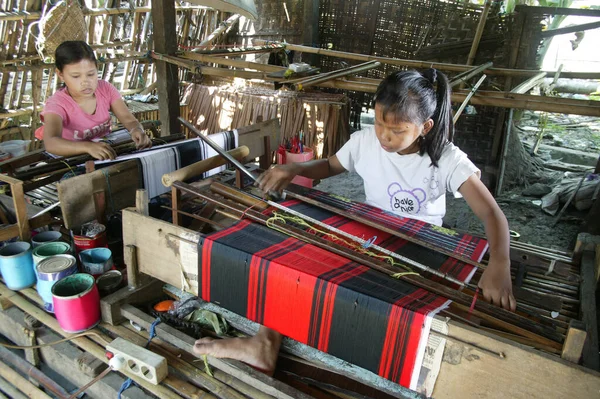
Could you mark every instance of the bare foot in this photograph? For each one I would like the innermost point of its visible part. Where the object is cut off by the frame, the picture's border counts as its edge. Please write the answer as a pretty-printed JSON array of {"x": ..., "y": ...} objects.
[{"x": 259, "y": 351}]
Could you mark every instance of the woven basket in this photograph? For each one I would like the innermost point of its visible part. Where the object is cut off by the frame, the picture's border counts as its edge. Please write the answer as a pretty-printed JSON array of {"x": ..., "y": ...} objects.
[{"x": 65, "y": 21}]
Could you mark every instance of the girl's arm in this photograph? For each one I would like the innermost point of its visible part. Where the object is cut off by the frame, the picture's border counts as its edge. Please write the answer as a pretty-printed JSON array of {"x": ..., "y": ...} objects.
[
  {"x": 278, "y": 177},
  {"x": 55, "y": 144},
  {"x": 124, "y": 115},
  {"x": 495, "y": 281}
]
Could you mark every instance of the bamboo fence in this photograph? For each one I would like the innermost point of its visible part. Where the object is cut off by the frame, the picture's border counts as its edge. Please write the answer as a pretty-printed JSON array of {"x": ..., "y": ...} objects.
[{"x": 121, "y": 35}]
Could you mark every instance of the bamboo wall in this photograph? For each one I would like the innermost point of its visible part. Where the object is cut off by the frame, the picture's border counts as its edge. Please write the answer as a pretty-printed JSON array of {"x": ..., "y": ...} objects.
[{"x": 120, "y": 33}]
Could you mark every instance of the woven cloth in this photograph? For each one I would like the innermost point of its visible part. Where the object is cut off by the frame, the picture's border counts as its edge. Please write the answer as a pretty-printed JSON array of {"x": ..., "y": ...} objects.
[
  {"x": 324, "y": 300},
  {"x": 63, "y": 22}
]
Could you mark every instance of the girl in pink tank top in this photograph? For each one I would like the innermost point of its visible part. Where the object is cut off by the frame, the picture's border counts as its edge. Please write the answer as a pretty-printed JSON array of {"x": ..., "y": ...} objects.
[{"x": 77, "y": 115}]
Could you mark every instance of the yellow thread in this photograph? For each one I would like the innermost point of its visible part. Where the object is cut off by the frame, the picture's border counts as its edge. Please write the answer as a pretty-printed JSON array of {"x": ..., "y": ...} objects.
[
  {"x": 69, "y": 166},
  {"x": 399, "y": 275},
  {"x": 295, "y": 219},
  {"x": 206, "y": 366},
  {"x": 339, "y": 197},
  {"x": 444, "y": 230}
]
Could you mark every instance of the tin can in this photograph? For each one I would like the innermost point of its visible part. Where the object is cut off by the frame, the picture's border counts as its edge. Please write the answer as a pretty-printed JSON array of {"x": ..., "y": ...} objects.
[
  {"x": 50, "y": 249},
  {"x": 109, "y": 282},
  {"x": 96, "y": 261},
  {"x": 76, "y": 302},
  {"x": 49, "y": 271},
  {"x": 92, "y": 240},
  {"x": 16, "y": 265},
  {"x": 45, "y": 237}
]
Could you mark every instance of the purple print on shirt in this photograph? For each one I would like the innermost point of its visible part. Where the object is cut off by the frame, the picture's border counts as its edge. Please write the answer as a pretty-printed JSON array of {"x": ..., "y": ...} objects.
[{"x": 405, "y": 201}]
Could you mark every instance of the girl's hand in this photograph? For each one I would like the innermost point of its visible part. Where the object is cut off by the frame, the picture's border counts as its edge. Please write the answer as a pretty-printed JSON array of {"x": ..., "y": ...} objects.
[
  {"x": 497, "y": 285},
  {"x": 277, "y": 178},
  {"x": 101, "y": 151},
  {"x": 140, "y": 138}
]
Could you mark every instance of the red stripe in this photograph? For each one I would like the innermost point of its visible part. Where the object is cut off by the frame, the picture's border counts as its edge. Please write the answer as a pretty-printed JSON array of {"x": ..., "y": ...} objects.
[
  {"x": 206, "y": 255},
  {"x": 479, "y": 250}
]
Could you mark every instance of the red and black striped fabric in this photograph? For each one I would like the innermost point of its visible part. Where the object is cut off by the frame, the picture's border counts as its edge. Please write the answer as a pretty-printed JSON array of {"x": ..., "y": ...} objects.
[
  {"x": 449, "y": 240},
  {"x": 321, "y": 299}
]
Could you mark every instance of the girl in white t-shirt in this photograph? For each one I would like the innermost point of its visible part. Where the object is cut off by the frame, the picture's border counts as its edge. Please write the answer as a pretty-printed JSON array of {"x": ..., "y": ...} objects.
[
  {"x": 77, "y": 115},
  {"x": 408, "y": 163}
]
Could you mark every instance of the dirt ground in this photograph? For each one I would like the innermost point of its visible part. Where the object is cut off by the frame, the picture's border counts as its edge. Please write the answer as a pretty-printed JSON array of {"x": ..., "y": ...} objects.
[{"x": 523, "y": 213}]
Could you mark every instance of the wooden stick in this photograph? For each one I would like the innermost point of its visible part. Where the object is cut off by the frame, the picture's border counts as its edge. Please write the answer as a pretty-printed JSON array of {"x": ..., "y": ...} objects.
[
  {"x": 466, "y": 101},
  {"x": 21, "y": 382},
  {"x": 198, "y": 168}
]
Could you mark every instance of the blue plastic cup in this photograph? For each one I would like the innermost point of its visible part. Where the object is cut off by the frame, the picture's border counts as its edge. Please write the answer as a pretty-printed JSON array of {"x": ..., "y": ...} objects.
[{"x": 16, "y": 265}]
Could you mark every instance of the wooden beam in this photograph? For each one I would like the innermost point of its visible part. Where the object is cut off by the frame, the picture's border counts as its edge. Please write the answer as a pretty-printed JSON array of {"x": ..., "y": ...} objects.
[
  {"x": 587, "y": 299},
  {"x": 573, "y": 346},
  {"x": 428, "y": 64},
  {"x": 529, "y": 84},
  {"x": 583, "y": 12},
  {"x": 165, "y": 42}
]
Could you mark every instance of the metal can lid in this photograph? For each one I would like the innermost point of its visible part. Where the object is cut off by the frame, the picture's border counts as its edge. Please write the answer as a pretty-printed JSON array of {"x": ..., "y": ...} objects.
[
  {"x": 55, "y": 264},
  {"x": 110, "y": 279}
]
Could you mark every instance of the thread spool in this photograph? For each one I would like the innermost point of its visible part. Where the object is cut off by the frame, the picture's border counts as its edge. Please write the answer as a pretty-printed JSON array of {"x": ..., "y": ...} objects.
[
  {"x": 96, "y": 261},
  {"x": 49, "y": 249},
  {"x": 76, "y": 302},
  {"x": 49, "y": 271},
  {"x": 45, "y": 237},
  {"x": 16, "y": 265}
]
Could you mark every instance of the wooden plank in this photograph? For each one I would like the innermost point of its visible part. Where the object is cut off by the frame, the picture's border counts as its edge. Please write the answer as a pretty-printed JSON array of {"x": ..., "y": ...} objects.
[
  {"x": 166, "y": 252},
  {"x": 10, "y": 390},
  {"x": 253, "y": 137},
  {"x": 21, "y": 210},
  {"x": 21, "y": 382},
  {"x": 119, "y": 183},
  {"x": 524, "y": 373},
  {"x": 236, "y": 368},
  {"x": 15, "y": 329},
  {"x": 573, "y": 346},
  {"x": 141, "y": 202},
  {"x": 110, "y": 306},
  {"x": 165, "y": 42},
  {"x": 587, "y": 299}
]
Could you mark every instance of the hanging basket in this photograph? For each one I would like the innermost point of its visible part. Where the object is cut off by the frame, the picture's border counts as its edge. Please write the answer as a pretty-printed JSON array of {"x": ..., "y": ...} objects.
[{"x": 63, "y": 22}]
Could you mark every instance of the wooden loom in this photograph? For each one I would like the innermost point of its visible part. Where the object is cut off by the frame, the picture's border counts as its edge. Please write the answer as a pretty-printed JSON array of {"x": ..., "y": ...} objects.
[{"x": 553, "y": 289}]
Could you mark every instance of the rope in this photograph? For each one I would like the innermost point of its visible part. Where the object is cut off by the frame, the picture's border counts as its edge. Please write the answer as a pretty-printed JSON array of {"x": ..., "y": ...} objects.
[
  {"x": 128, "y": 383},
  {"x": 152, "y": 331}
]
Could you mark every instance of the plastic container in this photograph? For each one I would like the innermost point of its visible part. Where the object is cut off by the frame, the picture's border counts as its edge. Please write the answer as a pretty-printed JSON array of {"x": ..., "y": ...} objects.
[
  {"x": 291, "y": 157},
  {"x": 49, "y": 271},
  {"x": 15, "y": 147},
  {"x": 76, "y": 302},
  {"x": 49, "y": 249},
  {"x": 16, "y": 265}
]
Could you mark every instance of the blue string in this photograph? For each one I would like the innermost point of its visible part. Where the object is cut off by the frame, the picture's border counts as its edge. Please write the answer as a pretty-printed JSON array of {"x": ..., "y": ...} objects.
[
  {"x": 369, "y": 242},
  {"x": 128, "y": 382},
  {"x": 152, "y": 331}
]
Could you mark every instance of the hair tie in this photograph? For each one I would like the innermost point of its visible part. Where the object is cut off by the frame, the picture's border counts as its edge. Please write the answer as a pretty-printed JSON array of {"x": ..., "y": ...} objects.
[{"x": 431, "y": 75}]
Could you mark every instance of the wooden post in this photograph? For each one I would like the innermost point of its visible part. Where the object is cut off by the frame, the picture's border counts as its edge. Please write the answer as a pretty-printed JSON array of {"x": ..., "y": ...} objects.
[
  {"x": 266, "y": 159},
  {"x": 20, "y": 210},
  {"x": 165, "y": 42},
  {"x": 573, "y": 347},
  {"x": 310, "y": 36},
  {"x": 141, "y": 202},
  {"x": 133, "y": 274},
  {"x": 587, "y": 298},
  {"x": 175, "y": 203}
]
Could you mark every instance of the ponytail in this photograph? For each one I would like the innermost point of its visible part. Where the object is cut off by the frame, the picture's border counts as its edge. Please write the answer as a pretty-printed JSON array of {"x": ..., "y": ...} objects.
[{"x": 442, "y": 131}]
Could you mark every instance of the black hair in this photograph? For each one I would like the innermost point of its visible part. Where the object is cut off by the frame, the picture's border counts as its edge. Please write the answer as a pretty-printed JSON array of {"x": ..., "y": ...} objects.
[
  {"x": 410, "y": 96},
  {"x": 71, "y": 52}
]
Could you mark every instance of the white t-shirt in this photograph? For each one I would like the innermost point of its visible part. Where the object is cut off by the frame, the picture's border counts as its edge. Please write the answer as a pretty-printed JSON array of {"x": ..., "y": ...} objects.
[{"x": 406, "y": 185}]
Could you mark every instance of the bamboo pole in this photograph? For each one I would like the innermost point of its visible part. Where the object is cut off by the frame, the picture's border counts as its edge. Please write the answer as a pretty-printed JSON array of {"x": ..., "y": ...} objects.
[
  {"x": 222, "y": 28},
  {"x": 479, "y": 32},
  {"x": 466, "y": 100},
  {"x": 427, "y": 64},
  {"x": 21, "y": 383}
]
